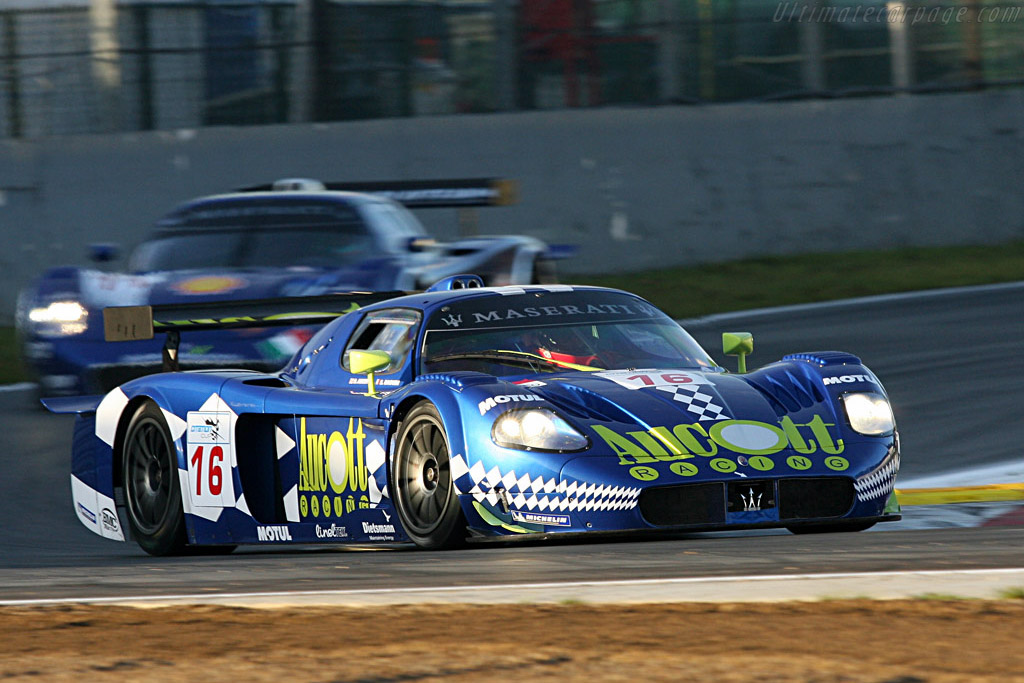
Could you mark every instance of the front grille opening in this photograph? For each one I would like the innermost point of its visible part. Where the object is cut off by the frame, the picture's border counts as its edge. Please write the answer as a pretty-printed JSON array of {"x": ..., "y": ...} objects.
[
  {"x": 815, "y": 497},
  {"x": 686, "y": 504}
]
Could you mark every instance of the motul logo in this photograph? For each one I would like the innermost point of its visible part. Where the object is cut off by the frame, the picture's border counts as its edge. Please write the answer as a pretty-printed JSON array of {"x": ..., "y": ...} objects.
[
  {"x": 493, "y": 401},
  {"x": 273, "y": 533},
  {"x": 847, "y": 379}
]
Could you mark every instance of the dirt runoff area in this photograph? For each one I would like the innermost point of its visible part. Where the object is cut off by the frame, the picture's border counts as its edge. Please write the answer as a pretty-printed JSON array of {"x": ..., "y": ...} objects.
[{"x": 905, "y": 641}]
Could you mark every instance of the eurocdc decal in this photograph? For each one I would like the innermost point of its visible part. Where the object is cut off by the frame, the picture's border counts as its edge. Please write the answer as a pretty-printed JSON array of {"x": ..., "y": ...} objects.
[
  {"x": 333, "y": 476},
  {"x": 746, "y": 437}
]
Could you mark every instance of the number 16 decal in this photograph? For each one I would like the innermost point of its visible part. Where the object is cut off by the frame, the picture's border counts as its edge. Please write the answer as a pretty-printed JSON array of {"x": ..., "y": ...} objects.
[
  {"x": 209, "y": 460},
  {"x": 642, "y": 379}
]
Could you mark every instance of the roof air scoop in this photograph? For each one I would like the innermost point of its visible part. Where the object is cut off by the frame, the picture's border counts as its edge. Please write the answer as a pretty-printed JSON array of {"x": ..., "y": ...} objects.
[{"x": 457, "y": 282}]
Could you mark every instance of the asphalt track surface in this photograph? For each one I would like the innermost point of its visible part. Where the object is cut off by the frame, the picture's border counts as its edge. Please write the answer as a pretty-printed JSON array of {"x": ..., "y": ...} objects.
[{"x": 951, "y": 362}]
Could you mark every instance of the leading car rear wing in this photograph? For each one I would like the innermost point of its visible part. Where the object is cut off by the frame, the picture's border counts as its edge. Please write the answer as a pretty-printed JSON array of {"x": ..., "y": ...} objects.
[
  {"x": 453, "y": 193},
  {"x": 133, "y": 323}
]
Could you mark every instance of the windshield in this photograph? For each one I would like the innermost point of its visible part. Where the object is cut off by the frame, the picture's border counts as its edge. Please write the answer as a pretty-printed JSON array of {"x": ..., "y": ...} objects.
[
  {"x": 321, "y": 248},
  {"x": 586, "y": 330},
  {"x": 256, "y": 235}
]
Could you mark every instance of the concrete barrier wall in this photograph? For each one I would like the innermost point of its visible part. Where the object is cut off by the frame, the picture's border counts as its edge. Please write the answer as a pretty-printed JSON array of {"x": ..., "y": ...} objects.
[{"x": 635, "y": 188}]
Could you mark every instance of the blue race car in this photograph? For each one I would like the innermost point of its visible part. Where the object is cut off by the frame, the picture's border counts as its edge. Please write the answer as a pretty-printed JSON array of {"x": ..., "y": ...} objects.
[
  {"x": 470, "y": 412},
  {"x": 293, "y": 238}
]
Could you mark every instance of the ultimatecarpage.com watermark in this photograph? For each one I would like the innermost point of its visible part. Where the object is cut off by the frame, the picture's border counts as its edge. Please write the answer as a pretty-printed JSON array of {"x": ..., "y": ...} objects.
[{"x": 896, "y": 13}]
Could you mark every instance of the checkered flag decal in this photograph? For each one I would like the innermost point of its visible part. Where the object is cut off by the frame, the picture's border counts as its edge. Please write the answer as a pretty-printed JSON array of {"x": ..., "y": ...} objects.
[
  {"x": 697, "y": 402},
  {"x": 537, "y": 493},
  {"x": 879, "y": 483}
]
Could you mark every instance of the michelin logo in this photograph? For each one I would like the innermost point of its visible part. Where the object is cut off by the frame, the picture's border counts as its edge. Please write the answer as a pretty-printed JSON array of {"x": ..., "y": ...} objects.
[
  {"x": 493, "y": 401},
  {"x": 540, "y": 518}
]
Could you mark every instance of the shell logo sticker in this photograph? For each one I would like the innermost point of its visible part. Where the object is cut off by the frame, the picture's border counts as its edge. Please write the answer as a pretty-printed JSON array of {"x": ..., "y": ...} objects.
[{"x": 209, "y": 284}]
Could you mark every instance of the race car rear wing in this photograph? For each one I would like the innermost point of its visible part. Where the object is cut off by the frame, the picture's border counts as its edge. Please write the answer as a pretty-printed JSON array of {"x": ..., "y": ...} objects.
[
  {"x": 415, "y": 194},
  {"x": 133, "y": 323}
]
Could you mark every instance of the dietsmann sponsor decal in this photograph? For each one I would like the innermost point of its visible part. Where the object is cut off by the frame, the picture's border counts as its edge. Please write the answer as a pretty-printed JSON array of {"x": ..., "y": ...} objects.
[
  {"x": 373, "y": 528},
  {"x": 493, "y": 401}
]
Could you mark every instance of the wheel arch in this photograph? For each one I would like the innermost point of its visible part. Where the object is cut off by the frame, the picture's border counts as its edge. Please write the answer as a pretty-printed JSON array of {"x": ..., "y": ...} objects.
[{"x": 117, "y": 452}]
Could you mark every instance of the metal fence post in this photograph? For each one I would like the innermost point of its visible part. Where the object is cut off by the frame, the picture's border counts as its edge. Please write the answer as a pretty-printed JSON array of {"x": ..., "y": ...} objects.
[
  {"x": 146, "y": 114},
  {"x": 10, "y": 28},
  {"x": 506, "y": 64},
  {"x": 668, "y": 51},
  {"x": 899, "y": 46},
  {"x": 812, "y": 49}
]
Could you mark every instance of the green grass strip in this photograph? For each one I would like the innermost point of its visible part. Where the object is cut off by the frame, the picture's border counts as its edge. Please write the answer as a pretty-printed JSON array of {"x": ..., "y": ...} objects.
[{"x": 783, "y": 280}]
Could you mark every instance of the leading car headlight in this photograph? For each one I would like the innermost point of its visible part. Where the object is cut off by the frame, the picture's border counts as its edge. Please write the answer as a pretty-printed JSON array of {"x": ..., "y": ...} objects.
[
  {"x": 536, "y": 429},
  {"x": 59, "y": 318},
  {"x": 869, "y": 414}
]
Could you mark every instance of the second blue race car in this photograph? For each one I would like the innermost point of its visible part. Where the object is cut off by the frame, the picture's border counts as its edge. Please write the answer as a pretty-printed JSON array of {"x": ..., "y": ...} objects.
[
  {"x": 293, "y": 238},
  {"x": 470, "y": 412}
]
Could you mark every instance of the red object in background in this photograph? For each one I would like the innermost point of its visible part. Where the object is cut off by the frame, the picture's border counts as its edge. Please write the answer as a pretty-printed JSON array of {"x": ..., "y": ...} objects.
[{"x": 562, "y": 31}]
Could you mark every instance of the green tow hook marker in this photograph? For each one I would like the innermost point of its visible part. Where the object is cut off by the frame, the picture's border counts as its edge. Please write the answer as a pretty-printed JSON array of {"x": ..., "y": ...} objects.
[{"x": 738, "y": 344}]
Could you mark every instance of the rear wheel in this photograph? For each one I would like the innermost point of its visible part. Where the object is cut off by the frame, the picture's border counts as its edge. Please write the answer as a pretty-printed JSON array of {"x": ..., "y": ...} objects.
[
  {"x": 425, "y": 495},
  {"x": 151, "y": 486},
  {"x": 836, "y": 527}
]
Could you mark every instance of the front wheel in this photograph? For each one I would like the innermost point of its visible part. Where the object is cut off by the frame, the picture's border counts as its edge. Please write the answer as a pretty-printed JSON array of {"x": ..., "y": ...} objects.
[
  {"x": 835, "y": 527},
  {"x": 151, "y": 486},
  {"x": 425, "y": 495}
]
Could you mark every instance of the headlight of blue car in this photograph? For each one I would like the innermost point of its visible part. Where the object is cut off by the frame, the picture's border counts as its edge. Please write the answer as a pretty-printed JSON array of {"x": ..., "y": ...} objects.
[
  {"x": 869, "y": 414},
  {"x": 59, "y": 319},
  {"x": 536, "y": 430}
]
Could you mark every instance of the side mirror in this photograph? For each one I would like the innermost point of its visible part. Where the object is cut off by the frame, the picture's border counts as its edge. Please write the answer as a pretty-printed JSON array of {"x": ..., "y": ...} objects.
[
  {"x": 104, "y": 253},
  {"x": 738, "y": 344},
  {"x": 363, "y": 362}
]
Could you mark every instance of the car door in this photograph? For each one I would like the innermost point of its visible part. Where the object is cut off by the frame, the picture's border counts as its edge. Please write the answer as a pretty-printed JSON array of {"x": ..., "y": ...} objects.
[{"x": 331, "y": 452}]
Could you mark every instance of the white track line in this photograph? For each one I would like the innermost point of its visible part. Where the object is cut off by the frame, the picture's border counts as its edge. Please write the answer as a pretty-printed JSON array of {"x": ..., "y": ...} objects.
[
  {"x": 972, "y": 583},
  {"x": 20, "y": 386},
  {"x": 857, "y": 301}
]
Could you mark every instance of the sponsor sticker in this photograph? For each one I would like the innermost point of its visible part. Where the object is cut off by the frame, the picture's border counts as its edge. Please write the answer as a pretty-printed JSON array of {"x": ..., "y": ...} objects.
[
  {"x": 332, "y": 531},
  {"x": 849, "y": 379},
  {"x": 87, "y": 513},
  {"x": 109, "y": 520},
  {"x": 494, "y": 401},
  {"x": 210, "y": 284},
  {"x": 546, "y": 519},
  {"x": 643, "y": 379},
  {"x": 272, "y": 533}
]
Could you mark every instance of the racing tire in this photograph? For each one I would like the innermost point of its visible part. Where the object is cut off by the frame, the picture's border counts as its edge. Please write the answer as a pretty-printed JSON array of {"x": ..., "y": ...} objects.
[
  {"x": 837, "y": 527},
  {"x": 152, "y": 489},
  {"x": 425, "y": 495}
]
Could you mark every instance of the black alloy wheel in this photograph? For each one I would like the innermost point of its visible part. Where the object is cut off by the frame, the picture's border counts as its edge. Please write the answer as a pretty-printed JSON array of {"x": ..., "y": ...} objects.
[{"x": 425, "y": 495}]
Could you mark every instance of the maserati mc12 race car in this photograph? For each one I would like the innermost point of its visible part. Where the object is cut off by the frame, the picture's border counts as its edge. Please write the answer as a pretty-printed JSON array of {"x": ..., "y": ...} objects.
[{"x": 472, "y": 413}]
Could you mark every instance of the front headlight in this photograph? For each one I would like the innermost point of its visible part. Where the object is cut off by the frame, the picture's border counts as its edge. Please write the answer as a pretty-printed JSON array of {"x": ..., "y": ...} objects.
[
  {"x": 59, "y": 319},
  {"x": 869, "y": 414},
  {"x": 536, "y": 429}
]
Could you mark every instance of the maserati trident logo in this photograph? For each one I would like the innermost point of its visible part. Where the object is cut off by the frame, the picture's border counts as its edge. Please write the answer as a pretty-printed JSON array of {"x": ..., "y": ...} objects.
[
  {"x": 751, "y": 500},
  {"x": 452, "y": 320}
]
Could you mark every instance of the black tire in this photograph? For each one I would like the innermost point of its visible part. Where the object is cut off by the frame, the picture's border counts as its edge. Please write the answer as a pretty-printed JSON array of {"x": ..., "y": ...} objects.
[
  {"x": 425, "y": 496},
  {"x": 152, "y": 491},
  {"x": 837, "y": 527}
]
